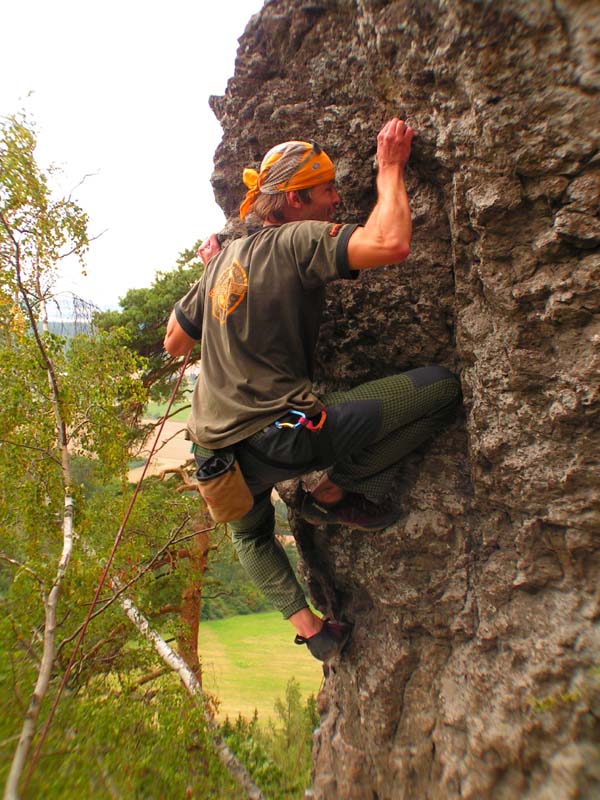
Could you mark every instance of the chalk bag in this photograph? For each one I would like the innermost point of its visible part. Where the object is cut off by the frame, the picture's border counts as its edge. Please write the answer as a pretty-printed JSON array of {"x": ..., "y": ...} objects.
[{"x": 223, "y": 487}]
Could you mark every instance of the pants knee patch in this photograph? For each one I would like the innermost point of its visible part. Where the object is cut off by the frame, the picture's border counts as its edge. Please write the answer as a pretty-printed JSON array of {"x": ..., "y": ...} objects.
[{"x": 425, "y": 376}]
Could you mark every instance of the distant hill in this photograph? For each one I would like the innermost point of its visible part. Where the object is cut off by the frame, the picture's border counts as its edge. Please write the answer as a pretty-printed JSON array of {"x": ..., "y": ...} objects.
[{"x": 69, "y": 328}]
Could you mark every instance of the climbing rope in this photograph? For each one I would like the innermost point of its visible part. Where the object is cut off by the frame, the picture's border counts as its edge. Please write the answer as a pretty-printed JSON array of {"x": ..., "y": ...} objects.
[{"x": 103, "y": 577}]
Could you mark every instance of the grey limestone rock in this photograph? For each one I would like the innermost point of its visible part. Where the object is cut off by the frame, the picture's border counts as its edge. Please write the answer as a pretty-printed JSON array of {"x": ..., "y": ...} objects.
[{"x": 474, "y": 668}]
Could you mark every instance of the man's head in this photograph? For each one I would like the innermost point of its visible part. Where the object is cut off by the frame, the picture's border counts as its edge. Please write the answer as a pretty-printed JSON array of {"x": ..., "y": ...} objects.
[{"x": 295, "y": 182}]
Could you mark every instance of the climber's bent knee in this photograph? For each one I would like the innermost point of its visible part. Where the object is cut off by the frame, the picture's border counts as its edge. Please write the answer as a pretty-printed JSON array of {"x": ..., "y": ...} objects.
[{"x": 426, "y": 376}]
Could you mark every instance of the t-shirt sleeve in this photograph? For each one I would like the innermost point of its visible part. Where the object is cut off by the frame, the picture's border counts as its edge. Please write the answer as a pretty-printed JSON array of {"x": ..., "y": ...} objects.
[
  {"x": 321, "y": 252},
  {"x": 189, "y": 310}
]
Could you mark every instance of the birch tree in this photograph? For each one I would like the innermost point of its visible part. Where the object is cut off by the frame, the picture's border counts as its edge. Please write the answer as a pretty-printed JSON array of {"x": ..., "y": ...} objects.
[
  {"x": 46, "y": 409},
  {"x": 60, "y": 402},
  {"x": 192, "y": 685}
]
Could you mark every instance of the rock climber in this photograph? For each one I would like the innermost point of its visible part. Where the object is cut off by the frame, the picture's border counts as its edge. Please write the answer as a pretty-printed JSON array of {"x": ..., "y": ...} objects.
[{"x": 256, "y": 312}]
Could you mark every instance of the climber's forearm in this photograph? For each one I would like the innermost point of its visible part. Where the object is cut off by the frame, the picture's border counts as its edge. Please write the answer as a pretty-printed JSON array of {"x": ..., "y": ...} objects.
[{"x": 386, "y": 236}]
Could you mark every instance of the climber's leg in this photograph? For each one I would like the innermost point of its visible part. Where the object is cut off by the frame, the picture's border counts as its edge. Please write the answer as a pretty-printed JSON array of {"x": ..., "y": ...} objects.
[
  {"x": 411, "y": 408},
  {"x": 268, "y": 566},
  {"x": 265, "y": 560}
]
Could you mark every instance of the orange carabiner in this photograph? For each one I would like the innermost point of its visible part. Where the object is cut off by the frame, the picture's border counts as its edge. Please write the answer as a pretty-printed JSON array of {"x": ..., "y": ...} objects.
[{"x": 312, "y": 427}]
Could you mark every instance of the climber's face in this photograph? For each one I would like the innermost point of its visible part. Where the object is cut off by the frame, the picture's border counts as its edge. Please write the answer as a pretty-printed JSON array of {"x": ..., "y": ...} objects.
[{"x": 324, "y": 200}]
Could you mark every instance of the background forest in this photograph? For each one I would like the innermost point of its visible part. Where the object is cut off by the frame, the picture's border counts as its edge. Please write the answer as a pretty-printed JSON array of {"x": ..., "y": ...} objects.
[{"x": 101, "y": 682}]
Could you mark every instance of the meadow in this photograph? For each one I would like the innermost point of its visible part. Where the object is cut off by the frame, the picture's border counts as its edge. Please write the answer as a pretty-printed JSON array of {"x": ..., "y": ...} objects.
[
  {"x": 248, "y": 660},
  {"x": 156, "y": 411}
]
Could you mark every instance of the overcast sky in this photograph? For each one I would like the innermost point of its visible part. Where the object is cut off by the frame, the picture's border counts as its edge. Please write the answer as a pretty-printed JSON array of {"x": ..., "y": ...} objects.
[{"x": 120, "y": 92}]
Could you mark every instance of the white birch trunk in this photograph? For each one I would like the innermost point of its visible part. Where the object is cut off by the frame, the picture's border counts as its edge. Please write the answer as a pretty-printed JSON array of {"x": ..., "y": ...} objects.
[
  {"x": 174, "y": 661},
  {"x": 11, "y": 791},
  {"x": 191, "y": 683}
]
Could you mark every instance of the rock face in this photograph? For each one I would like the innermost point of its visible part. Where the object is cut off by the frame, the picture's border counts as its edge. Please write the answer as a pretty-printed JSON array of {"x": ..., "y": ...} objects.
[{"x": 474, "y": 668}]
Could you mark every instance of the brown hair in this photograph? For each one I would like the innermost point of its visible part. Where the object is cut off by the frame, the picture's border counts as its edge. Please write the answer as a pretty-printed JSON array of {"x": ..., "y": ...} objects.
[{"x": 272, "y": 205}]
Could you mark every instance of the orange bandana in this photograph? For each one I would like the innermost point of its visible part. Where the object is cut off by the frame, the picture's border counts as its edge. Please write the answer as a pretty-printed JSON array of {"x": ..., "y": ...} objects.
[{"x": 286, "y": 168}]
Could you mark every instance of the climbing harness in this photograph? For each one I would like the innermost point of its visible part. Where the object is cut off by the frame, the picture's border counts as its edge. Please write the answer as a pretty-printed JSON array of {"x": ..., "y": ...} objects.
[
  {"x": 103, "y": 577},
  {"x": 303, "y": 421}
]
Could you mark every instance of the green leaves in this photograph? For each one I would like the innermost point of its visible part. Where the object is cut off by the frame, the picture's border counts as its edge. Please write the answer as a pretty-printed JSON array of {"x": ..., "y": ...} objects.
[
  {"x": 278, "y": 756},
  {"x": 36, "y": 230},
  {"x": 55, "y": 400},
  {"x": 110, "y": 741},
  {"x": 144, "y": 317},
  {"x": 76, "y": 402},
  {"x": 103, "y": 396}
]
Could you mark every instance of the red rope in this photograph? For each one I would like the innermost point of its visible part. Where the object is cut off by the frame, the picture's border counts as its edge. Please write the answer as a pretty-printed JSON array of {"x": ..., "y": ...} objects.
[{"x": 102, "y": 580}]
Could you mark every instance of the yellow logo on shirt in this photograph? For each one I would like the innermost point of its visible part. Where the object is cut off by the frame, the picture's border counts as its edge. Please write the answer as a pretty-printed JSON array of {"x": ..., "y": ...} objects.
[{"x": 230, "y": 290}]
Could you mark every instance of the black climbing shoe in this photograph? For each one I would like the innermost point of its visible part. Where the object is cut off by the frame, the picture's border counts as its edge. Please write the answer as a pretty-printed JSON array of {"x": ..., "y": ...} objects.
[
  {"x": 354, "y": 511},
  {"x": 328, "y": 642}
]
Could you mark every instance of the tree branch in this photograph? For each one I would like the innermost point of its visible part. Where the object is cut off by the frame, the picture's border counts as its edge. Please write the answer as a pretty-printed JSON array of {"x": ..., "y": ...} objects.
[
  {"x": 18, "y": 564},
  {"x": 164, "y": 443},
  {"x": 32, "y": 447},
  {"x": 236, "y": 769},
  {"x": 168, "y": 608},
  {"x": 151, "y": 676},
  {"x": 51, "y": 600},
  {"x": 115, "y": 596}
]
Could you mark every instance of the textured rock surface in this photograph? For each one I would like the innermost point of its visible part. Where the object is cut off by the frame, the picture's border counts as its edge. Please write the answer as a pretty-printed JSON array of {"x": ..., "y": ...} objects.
[{"x": 474, "y": 666}]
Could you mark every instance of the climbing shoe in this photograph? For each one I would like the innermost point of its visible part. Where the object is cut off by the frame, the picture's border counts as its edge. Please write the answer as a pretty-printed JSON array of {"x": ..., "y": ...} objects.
[
  {"x": 354, "y": 511},
  {"x": 328, "y": 642}
]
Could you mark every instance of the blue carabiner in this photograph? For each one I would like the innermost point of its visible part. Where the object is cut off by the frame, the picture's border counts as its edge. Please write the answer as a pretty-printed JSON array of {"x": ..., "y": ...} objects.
[{"x": 301, "y": 421}]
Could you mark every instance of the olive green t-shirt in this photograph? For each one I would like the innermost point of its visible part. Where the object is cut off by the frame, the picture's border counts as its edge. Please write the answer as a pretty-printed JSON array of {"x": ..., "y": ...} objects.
[{"x": 257, "y": 311}]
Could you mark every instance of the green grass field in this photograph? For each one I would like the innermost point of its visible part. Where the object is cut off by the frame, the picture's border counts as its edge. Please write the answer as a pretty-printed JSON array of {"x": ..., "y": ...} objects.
[
  {"x": 156, "y": 410},
  {"x": 248, "y": 660}
]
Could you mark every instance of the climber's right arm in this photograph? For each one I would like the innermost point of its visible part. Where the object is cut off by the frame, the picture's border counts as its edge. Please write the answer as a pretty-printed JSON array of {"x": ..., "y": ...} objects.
[{"x": 177, "y": 342}]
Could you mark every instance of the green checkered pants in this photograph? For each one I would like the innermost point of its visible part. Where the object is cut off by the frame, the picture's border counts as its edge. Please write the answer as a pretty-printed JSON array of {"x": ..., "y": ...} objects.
[{"x": 407, "y": 409}]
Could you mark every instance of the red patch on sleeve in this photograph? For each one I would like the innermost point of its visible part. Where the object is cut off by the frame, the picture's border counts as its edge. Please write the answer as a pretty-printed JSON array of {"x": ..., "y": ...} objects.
[{"x": 334, "y": 230}]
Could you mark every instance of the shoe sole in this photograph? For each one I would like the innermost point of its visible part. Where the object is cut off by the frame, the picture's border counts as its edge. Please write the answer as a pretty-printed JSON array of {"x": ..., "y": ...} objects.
[{"x": 353, "y": 526}]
